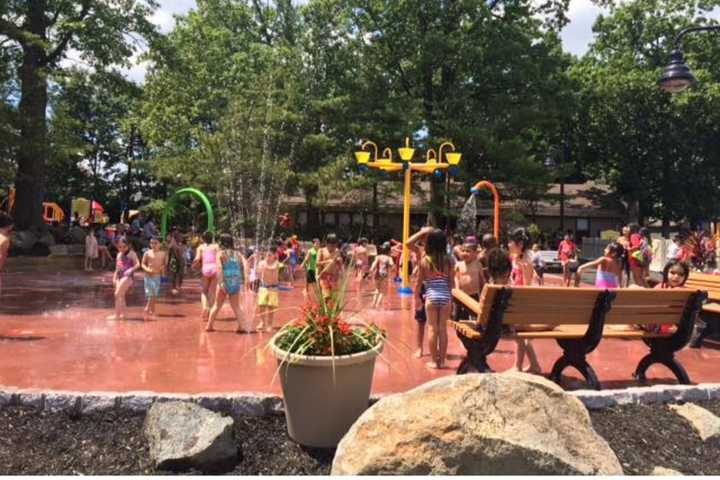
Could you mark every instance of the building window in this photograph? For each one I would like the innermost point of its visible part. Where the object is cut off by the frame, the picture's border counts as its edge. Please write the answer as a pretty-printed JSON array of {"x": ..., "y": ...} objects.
[
  {"x": 345, "y": 219},
  {"x": 302, "y": 218},
  {"x": 329, "y": 218},
  {"x": 357, "y": 219},
  {"x": 582, "y": 225}
]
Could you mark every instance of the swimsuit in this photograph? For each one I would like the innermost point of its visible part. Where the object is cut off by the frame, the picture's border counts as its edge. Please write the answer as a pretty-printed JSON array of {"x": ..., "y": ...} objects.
[
  {"x": 437, "y": 287},
  {"x": 123, "y": 264},
  {"x": 605, "y": 279},
  {"x": 209, "y": 262},
  {"x": 152, "y": 285},
  {"x": 232, "y": 275},
  {"x": 268, "y": 296},
  {"x": 517, "y": 276}
]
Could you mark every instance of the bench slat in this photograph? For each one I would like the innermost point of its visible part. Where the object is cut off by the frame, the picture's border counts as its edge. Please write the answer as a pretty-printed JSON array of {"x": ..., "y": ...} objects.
[{"x": 576, "y": 331}]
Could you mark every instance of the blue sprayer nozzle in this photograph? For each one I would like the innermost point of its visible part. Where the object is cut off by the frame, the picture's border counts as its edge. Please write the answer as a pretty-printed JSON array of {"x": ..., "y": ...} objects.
[{"x": 474, "y": 191}]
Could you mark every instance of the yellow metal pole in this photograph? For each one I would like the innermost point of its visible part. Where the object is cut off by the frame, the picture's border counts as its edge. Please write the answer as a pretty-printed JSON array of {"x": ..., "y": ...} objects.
[{"x": 406, "y": 231}]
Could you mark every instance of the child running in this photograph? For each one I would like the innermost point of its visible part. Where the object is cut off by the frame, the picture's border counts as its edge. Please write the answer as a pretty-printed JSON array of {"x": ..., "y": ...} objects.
[
  {"x": 230, "y": 282},
  {"x": 434, "y": 272},
  {"x": 330, "y": 265},
  {"x": 361, "y": 261},
  {"x": 125, "y": 265},
  {"x": 6, "y": 227},
  {"x": 538, "y": 264},
  {"x": 609, "y": 267},
  {"x": 268, "y": 272},
  {"x": 153, "y": 264},
  {"x": 381, "y": 270},
  {"x": 521, "y": 275},
  {"x": 206, "y": 259}
]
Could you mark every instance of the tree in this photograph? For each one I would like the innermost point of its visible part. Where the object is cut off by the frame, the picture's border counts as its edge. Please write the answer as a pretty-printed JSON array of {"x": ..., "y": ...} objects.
[
  {"x": 41, "y": 33},
  {"x": 658, "y": 152}
]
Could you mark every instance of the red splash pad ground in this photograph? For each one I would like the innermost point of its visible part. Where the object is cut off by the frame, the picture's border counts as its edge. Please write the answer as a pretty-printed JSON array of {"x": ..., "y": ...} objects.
[{"x": 54, "y": 336}]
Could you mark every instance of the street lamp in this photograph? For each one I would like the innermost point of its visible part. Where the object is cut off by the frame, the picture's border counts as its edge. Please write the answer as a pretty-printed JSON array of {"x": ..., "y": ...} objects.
[
  {"x": 677, "y": 76},
  {"x": 433, "y": 162}
]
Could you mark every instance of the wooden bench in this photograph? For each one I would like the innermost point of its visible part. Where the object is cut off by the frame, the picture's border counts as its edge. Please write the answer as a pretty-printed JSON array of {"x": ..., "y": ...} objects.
[
  {"x": 709, "y": 283},
  {"x": 580, "y": 318}
]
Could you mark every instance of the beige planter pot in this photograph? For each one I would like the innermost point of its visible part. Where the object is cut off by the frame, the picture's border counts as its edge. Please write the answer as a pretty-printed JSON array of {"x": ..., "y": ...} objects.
[{"x": 320, "y": 409}]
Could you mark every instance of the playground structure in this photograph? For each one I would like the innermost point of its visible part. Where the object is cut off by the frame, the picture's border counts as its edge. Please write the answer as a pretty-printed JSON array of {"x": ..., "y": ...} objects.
[
  {"x": 90, "y": 210},
  {"x": 433, "y": 164},
  {"x": 484, "y": 184},
  {"x": 188, "y": 191}
]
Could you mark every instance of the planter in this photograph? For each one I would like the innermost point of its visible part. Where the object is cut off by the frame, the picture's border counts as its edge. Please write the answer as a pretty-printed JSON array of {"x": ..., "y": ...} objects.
[{"x": 320, "y": 409}]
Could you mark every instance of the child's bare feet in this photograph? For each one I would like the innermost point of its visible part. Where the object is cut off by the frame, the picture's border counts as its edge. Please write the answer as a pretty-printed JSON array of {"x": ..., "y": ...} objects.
[
  {"x": 111, "y": 317},
  {"x": 209, "y": 328},
  {"x": 418, "y": 354},
  {"x": 174, "y": 291},
  {"x": 534, "y": 369},
  {"x": 432, "y": 365},
  {"x": 260, "y": 327}
]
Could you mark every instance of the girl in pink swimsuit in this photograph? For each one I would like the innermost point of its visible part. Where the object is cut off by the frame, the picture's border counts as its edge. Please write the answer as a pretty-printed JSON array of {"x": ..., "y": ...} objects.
[
  {"x": 206, "y": 258},
  {"x": 521, "y": 275}
]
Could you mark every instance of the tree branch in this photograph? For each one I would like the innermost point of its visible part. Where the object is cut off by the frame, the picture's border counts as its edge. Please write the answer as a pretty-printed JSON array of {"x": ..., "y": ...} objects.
[
  {"x": 12, "y": 31},
  {"x": 263, "y": 22},
  {"x": 62, "y": 44}
]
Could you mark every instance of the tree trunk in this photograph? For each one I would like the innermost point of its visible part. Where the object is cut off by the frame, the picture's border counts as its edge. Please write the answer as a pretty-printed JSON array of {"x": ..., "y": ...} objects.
[{"x": 33, "y": 149}]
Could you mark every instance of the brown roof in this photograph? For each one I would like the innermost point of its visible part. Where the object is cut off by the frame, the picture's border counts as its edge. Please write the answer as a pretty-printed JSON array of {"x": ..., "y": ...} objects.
[{"x": 581, "y": 200}]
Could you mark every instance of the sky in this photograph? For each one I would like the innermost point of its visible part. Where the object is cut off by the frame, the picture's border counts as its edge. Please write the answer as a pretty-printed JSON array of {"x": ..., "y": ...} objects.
[{"x": 575, "y": 36}]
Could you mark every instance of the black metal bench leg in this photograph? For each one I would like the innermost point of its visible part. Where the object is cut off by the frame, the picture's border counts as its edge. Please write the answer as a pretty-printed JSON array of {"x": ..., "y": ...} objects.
[
  {"x": 581, "y": 365},
  {"x": 669, "y": 361},
  {"x": 475, "y": 358}
]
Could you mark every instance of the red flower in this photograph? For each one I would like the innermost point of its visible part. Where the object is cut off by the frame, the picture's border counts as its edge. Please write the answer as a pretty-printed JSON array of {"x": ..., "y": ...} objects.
[{"x": 344, "y": 327}]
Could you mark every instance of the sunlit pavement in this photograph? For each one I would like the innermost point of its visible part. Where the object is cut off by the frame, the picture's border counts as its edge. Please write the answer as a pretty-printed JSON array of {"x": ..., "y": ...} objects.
[{"x": 54, "y": 335}]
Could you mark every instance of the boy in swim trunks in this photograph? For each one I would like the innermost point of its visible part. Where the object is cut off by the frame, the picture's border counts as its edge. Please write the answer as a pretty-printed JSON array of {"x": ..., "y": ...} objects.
[
  {"x": 310, "y": 264},
  {"x": 329, "y": 265},
  {"x": 6, "y": 226},
  {"x": 153, "y": 264},
  {"x": 361, "y": 261},
  {"x": 468, "y": 276},
  {"x": 268, "y": 301}
]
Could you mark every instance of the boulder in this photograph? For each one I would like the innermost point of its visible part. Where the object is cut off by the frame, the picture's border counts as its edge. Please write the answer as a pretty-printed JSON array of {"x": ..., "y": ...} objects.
[
  {"x": 705, "y": 423},
  {"x": 77, "y": 235},
  {"x": 182, "y": 435},
  {"x": 478, "y": 424},
  {"x": 46, "y": 239},
  {"x": 23, "y": 240},
  {"x": 665, "y": 472}
]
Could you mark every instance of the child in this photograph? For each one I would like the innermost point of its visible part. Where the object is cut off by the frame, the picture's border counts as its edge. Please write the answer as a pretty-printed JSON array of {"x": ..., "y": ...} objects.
[
  {"x": 361, "y": 262},
  {"x": 499, "y": 266},
  {"x": 330, "y": 265},
  {"x": 206, "y": 259},
  {"x": 230, "y": 282},
  {"x": 521, "y": 275},
  {"x": 538, "y": 264},
  {"x": 609, "y": 267},
  {"x": 381, "y": 270},
  {"x": 434, "y": 271},
  {"x": 468, "y": 276},
  {"x": 488, "y": 243},
  {"x": 268, "y": 301},
  {"x": 176, "y": 262},
  {"x": 675, "y": 274},
  {"x": 292, "y": 261},
  {"x": 566, "y": 253},
  {"x": 6, "y": 227},
  {"x": 125, "y": 265},
  {"x": 153, "y": 264},
  {"x": 91, "y": 249},
  {"x": 634, "y": 250},
  {"x": 310, "y": 265}
]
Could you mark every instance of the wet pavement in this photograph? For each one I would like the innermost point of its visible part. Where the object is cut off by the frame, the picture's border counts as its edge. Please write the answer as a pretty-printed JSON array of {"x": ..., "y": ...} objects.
[{"x": 54, "y": 335}]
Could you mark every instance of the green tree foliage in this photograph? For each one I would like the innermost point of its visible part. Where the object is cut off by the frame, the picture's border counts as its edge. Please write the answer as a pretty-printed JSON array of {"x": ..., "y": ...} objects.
[
  {"x": 37, "y": 35},
  {"x": 658, "y": 152}
]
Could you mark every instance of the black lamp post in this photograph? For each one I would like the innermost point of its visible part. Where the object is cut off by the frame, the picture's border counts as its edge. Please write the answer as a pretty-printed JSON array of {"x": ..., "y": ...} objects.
[{"x": 677, "y": 76}]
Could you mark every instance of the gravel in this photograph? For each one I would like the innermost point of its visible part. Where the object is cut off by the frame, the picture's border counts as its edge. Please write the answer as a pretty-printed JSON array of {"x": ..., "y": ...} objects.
[{"x": 111, "y": 443}]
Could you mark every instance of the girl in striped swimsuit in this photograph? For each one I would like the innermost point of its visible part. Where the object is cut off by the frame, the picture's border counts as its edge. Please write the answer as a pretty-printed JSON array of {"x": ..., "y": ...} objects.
[{"x": 434, "y": 273}]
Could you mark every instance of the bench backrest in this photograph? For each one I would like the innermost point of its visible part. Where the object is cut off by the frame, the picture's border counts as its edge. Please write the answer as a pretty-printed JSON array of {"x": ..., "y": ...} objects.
[
  {"x": 574, "y": 306},
  {"x": 705, "y": 281}
]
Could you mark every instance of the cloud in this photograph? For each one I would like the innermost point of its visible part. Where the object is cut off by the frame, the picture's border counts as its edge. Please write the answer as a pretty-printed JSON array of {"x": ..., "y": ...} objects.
[{"x": 577, "y": 34}]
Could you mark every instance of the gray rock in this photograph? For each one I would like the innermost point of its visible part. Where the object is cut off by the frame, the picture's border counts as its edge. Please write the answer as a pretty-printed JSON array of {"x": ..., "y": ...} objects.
[
  {"x": 665, "y": 472},
  {"x": 182, "y": 435},
  {"x": 46, "y": 239},
  {"x": 6, "y": 398},
  {"x": 705, "y": 423},
  {"x": 98, "y": 403},
  {"x": 479, "y": 424},
  {"x": 31, "y": 399},
  {"x": 216, "y": 403},
  {"x": 23, "y": 239},
  {"x": 136, "y": 402},
  {"x": 62, "y": 401}
]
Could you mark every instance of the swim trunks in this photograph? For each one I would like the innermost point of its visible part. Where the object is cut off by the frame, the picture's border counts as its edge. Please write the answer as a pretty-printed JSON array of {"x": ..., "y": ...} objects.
[{"x": 152, "y": 286}]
